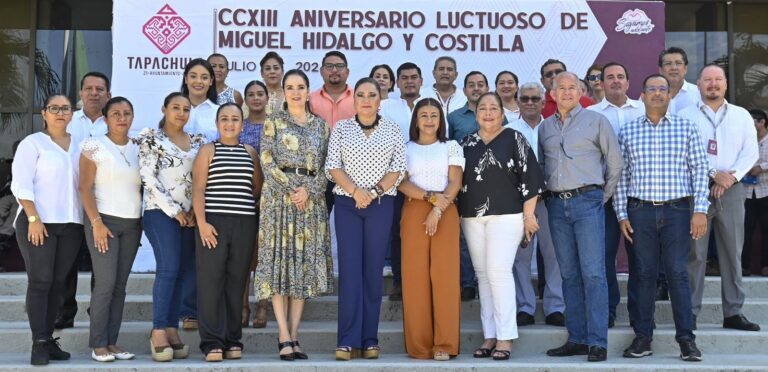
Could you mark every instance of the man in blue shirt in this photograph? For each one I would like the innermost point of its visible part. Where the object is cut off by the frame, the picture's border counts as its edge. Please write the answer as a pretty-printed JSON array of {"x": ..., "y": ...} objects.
[{"x": 462, "y": 122}]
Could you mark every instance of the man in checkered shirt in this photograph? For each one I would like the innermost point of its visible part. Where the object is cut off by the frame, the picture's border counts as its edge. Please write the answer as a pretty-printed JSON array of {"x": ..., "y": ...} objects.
[{"x": 661, "y": 202}]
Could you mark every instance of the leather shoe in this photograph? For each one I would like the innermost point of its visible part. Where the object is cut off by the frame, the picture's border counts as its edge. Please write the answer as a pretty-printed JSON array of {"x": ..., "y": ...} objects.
[
  {"x": 569, "y": 349},
  {"x": 468, "y": 293},
  {"x": 612, "y": 322},
  {"x": 63, "y": 322},
  {"x": 555, "y": 319},
  {"x": 740, "y": 322},
  {"x": 597, "y": 354},
  {"x": 524, "y": 319}
]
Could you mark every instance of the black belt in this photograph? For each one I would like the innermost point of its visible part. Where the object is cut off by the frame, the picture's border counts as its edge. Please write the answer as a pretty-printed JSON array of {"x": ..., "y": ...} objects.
[
  {"x": 660, "y": 203},
  {"x": 575, "y": 192},
  {"x": 299, "y": 171}
]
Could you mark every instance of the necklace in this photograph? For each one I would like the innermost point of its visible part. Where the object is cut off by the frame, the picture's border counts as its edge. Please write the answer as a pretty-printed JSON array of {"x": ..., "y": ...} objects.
[
  {"x": 367, "y": 127},
  {"x": 122, "y": 153}
]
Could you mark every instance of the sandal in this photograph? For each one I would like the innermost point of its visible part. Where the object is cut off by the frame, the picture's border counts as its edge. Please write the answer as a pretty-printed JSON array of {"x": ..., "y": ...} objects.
[
  {"x": 214, "y": 355},
  {"x": 441, "y": 356},
  {"x": 282, "y": 345},
  {"x": 189, "y": 323},
  {"x": 234, "y": 352},
  {"x": 346, "y": 353},
  {"x": 260, "y": 316},
  {"x": 483, "y": 352},
  {"x": 180, "y": 351},
  {"x": 501, "y": 354},
  {"x": 299, "y": 354},
  {"x": 162, "y": 353},
  {"x": 371, "y": 352}
]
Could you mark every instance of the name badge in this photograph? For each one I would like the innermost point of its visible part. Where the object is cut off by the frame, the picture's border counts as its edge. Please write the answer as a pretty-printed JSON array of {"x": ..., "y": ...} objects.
[{"x": 712, "y": 147}]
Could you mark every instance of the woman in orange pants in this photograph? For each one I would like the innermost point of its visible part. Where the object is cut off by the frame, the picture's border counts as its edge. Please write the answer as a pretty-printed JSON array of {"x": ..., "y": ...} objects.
[{"x": 430, "y": 236}]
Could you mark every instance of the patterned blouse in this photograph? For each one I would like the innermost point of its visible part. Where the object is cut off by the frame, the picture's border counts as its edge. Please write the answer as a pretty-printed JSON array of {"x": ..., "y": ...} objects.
[
  {"x": 251, "y": 134},
  {"x": 166, "y": 171},
  {"x": 274, "y": 103},
  {"x": 499, "y": 176},
  {"x": 226, "y": 96}
]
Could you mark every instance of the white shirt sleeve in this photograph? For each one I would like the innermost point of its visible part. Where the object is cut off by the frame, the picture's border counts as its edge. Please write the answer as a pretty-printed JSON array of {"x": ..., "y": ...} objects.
[{"x": 23, "y": 183}]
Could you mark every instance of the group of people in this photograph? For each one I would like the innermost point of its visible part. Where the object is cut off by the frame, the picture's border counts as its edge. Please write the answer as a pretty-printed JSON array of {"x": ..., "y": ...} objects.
[{"x": 461, "y": 185}]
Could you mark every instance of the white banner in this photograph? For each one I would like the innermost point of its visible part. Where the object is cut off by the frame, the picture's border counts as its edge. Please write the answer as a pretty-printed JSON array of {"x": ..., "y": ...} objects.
[{"x": 154, "y": 40}]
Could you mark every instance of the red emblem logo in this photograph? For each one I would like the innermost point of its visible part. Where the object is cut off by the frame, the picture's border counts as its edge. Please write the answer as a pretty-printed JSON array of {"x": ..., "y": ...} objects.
[{"x": 166, "y": 29}]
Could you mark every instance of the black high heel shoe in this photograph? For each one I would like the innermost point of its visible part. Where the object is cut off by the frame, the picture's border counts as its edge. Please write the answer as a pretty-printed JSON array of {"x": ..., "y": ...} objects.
[
  {"x": 282, "y": 345},
  {"x": 299, "y": 354}
]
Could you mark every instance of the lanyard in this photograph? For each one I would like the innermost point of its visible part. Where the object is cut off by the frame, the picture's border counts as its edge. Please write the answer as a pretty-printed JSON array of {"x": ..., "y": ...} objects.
[{"x": 711, "y": 122}]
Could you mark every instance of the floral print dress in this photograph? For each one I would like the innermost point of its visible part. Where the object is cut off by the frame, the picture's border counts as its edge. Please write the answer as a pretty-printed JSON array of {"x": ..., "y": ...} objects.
[{"x": 294, "y": 246}]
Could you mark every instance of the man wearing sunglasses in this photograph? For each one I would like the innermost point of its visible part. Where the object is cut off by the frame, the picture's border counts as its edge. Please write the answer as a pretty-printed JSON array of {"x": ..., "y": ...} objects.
[
  {"x": 530, "y": 100},
  {"x": 619, "y": 109},
  {"x": 549, "y": 70}
]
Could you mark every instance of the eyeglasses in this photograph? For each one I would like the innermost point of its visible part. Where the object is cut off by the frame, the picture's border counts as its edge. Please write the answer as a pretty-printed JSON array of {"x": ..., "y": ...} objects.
[
  {"x": 335, "y": 66},
  {"x": 551, "y": 74},
  {"x": 59, "y": 109},
  {"x": 652, "y": 90},
  {"x": 526, "y": 99},
  {"x": 593, "y": 77},
  {"x": 673, "y": 63}
]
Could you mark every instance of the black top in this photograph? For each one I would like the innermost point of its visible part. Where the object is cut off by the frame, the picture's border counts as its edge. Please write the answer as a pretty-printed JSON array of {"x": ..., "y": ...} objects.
[{"x": 500, "y": 176}]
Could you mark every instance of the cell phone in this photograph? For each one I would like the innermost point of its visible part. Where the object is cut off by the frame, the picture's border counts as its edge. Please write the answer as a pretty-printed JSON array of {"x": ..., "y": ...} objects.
[{"x": 526, "y": 241}]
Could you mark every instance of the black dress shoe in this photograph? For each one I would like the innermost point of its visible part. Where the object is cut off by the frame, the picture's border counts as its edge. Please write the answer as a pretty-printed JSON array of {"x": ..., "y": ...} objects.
[
  {"x": 641, "y": 346},
  {"x": 397, "y": 294},
  {"x": 54, "y": 350},
  {"x": 39, "y": 355},
  {"x": 689, "y": 352},
  {"x": 555, "y": 319},
  {"x": 524, "y": 319},
  {"x": 740, "y": 322},
  {"x": 569, "y": 349},
  {"x": 63, "y": 322},
  {"x": 468, "y": 293},
  {"x": 662, "y": 292},
  {"x": 597, "y": 354},
  {"x": 612, "y": 322}
]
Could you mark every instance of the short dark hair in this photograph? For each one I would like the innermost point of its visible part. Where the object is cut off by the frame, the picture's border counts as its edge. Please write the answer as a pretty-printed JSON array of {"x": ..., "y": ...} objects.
[
  {"x": 389, "y": 71},
  {"x": 228, "y": 104},
  {"x": 335, "y": 53},
  {"x": 445, "y": 58},
  {"x": 113, "y": 101},
  {"x": 226, "y": 61},
  {"x": 673, "y": 50},
  {"x": 52, "y": 96},
  {"x": 610, "y": 64},
  {"x": 758, "y": 114},
  {"x": 498, "y": 76},
  {"x": 652, "y": 76},
  {"x": 211, "y": 94},
  {"x": 413, "y": 132},
  {"x": 255, "y": 82},
  {"x": 552, "y": 61},
  {"x": 271, "y": 55},
  {"x": 367, "y": 80},
  {"x": 713, "y": 64},
  {"x": 496, "y": 96},
  {"x": 167, "y": 101},
  {"x": 97, "y": 75},
  {"x": 472, "y": 73},
  {"x": 408, "y": 66}
]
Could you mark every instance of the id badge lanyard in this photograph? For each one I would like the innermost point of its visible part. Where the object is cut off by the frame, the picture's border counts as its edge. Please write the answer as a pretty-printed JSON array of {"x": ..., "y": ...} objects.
[{"x": 712, "y": 144}]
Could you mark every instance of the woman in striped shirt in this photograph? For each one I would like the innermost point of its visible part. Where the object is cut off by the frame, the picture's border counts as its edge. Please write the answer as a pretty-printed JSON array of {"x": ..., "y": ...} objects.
[{"x": 226, "y": 182}]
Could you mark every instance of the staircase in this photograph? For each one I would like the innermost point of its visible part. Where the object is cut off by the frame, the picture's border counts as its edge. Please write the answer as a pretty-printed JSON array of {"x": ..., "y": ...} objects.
[{"x": 723, "y": 349}]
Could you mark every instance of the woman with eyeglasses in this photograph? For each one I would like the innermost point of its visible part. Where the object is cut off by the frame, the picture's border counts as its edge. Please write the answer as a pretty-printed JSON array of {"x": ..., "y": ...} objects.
[
  {"x": 272, "y": 74},
  {"x": 49, "y": 227},
  {"x": 506, "y": 88},
  {"x": 501, "y": 180},
  {"x": 109, "y": 167},
  {"x": 594, "y": 82}
]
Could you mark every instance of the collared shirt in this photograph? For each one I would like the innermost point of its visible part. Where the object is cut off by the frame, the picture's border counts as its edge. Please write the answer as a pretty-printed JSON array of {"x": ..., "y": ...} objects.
[
  {"x": 202, "y": 120},
  {"x": 687, "y": 96},
  {"x": 81, "y": 127},
  {"x": 550, "y": 106},
  {"x": 761, "y": 189},
  {"x": 579, "y": 150},
  {"x": 618, "y": 116},
  {"x": 396, "y": 110},
  {"x": 463, "y": 122},
  {"x": 731, "y": 131},
  {"x": 531, "y": 134},
  {"x": 512, "y": 115},
  {"x": 322, "y": 104},
  {"x": 662, "y": 162},
  {"x": 456, "y": 101}
]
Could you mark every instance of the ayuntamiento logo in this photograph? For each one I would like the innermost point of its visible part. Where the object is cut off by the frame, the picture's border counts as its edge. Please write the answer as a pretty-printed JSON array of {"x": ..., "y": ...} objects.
[{"x": 166, "y": 29}]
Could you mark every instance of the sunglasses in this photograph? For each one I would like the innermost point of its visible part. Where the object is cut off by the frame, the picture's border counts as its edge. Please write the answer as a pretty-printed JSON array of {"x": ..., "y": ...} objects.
[
  {"x": 593, "y": 77},
  {"x": 551, "y": 74},
  {"x": 526, "y": 99}
]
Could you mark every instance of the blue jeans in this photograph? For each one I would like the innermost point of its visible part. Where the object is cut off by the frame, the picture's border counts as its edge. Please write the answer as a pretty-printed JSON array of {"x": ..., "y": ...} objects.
[
  {"x": 661, "y": 233},
  {"x": 578, "y": 233},
  {"x": 611, "y": 249},
  {"x": 174, "y": 248}
]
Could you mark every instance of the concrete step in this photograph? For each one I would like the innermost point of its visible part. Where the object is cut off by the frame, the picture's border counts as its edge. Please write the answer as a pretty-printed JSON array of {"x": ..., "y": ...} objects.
[
  {"x": 320, "y": 337},
  {"x": 399, "y": 362},
  {"x": 139, "y": 308},
  {"x": 15, "y": 284}
]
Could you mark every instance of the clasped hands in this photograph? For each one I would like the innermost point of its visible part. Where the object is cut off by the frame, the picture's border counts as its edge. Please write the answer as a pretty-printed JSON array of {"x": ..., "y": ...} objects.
[
  {"x": 723, "y": 181},
  {"x": 433, "y": 218}
]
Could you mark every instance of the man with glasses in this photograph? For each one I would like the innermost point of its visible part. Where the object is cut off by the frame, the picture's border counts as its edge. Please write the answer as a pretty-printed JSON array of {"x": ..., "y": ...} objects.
[
  {"x": 661, "y": 203},
  {"x": 619, "y": 109},
  {"x": 333, "y": 101},
  {"x": 730, "y": 140},
  {"x": 549, "y": 70},
  {"x": 673, "y": 64},
  {"x": 582, "y": 163},
  {"x": 530, "y": 100}
]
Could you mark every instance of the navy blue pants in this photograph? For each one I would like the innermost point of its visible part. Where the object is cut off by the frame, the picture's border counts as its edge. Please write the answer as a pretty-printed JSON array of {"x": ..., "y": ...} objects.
[{"x": 362, "y": 236}]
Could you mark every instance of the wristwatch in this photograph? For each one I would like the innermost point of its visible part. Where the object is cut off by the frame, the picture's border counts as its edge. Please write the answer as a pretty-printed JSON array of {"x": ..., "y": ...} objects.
[
  {"x": 432, "y": 198},
  {"x": 712, "y": 173},
  {"x": 33, "y": 219},
  {"x": 374, "y": 192}
]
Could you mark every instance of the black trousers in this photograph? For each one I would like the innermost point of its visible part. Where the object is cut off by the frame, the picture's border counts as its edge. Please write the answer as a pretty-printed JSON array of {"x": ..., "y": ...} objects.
[
  {"x": 221, "y": 275},
  {"x": 68, "y": 308},
  {"x": 47, "y": 267},
  {"x": 755, "y": 217}
]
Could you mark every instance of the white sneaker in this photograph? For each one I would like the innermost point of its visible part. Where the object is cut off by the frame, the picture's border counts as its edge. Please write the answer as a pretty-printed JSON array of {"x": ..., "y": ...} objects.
[
  {"x": 102, "y": 358},
  {"x": 387, "y": 272},
  {"x": 124, "y": 355}
]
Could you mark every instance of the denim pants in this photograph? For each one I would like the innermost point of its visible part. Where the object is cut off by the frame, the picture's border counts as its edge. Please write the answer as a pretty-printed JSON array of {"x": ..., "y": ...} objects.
[
  {"x": 662, "y": 233},
  {"x": 578, "y": 233},
  {"x": 174, "y": 248}
]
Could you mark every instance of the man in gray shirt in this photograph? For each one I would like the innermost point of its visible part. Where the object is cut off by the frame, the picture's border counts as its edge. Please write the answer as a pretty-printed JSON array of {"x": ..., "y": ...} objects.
[{"x": 582, "y": 164}]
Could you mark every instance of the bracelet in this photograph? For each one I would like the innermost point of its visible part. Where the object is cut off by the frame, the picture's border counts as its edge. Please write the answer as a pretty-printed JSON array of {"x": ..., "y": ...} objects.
[
  {"x": 439, "y": 212},
  {"x": 379, "y": 189},
  {"x": 93, "y": 221},
  {"x": 525, "y": 217}
]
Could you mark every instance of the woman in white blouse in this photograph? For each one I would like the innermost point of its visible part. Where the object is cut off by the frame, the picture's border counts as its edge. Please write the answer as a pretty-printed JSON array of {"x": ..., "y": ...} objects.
[
  {"x": 430, "y": 235},
  {"x": 366, "y": 160},
  {"x": 166, "y": 156},
  {"x": 110, "y": 188},
  {"x": 49, "y": 227},
  {"x": 199, "y": 84}
]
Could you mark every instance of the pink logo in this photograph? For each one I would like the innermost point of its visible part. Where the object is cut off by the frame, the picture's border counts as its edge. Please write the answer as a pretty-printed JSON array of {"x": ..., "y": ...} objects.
[
  {"x": 634, "y": 22},
  {"x": 166, "y": 29}
]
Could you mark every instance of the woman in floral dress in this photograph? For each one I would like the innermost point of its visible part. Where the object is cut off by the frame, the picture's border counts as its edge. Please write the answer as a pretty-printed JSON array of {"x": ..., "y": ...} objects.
[{"x": 294, "y": 242}]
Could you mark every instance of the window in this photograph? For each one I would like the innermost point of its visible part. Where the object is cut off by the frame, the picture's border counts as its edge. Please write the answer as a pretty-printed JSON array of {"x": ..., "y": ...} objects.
[{"x": 750, "y": 51}]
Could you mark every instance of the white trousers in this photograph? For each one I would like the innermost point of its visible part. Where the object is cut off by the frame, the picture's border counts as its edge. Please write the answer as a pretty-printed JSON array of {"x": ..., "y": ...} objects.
[{"x": 493, "y": 242}]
